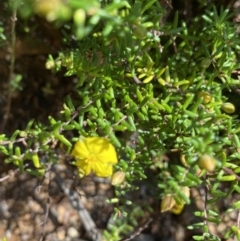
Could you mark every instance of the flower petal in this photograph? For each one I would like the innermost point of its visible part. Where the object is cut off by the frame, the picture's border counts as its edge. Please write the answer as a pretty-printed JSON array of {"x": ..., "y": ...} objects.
[
  {"x": 102, "y": 169},
  {"x": 84, "y": 166},
  {"x": 80, "y": 150},
  {"x": 98, "y": 145},
  {"x": 109, "y": 157},
  {"x": 103, "y": 149}
]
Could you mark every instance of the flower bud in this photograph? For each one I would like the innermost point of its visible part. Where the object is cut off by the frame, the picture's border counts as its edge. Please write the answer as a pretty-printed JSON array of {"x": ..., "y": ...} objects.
[
  {"x": 23, "y": 134},
  {"x": 205, "y": 63},
  {"x": 177, "y": 209},
  {"x": 148, "y": 79},
  {"x": 186, "y": 191},
  {"x": 207, "y": 162},
  {"x": 45, "y": 7},
  {"x": 183, "y": 160},
  {"x": 140, "y": 32},
  {"x": 117, "y": 178},
  {"x": 198, "y": 172},
  {"x": 206, "y": 97},
  {"x": 50, "y": 64},
  {"x": 228, "y": 107},
  {"x": 167, "y": 203},
  {"x": 79, "y": 17}
]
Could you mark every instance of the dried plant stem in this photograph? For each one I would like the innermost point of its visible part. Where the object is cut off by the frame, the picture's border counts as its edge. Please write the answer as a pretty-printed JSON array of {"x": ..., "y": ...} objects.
[
  {"x": 229, "y": 171},
  {"x": 12, "y": 63},
  {"x": 205, "y": 210},
  {"x": 76, "y": 202},
  {"x": 13, "y": 173},
  {"x": 48, "y": 175},
  {"x": 139, "y": 231}
]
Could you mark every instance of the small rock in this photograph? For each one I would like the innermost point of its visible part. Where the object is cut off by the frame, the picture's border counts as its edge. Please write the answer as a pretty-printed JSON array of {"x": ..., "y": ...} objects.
[
  {"x": 144, "y": 237},
  {"x": 72, "y": 233},
  {"x": 61, "y": 234}
]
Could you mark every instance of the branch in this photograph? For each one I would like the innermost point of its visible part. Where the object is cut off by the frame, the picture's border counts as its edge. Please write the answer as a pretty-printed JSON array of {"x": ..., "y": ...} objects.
[
  {"x": 76, "y": 202},
  {"x": 47, "y": 173},
  {"x": 139, "y": 231}
]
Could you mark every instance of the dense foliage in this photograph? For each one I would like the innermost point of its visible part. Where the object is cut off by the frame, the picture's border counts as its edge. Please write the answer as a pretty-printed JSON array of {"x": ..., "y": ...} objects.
[{"x": 163, "y": 90}]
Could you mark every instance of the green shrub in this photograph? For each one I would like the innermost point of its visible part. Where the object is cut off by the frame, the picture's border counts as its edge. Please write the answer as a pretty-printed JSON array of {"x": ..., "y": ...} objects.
[{"x": 154, "y": 88}]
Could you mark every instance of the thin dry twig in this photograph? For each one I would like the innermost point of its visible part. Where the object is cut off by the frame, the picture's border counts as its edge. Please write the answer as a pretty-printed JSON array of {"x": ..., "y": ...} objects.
[
  {"x": 136, "y": 80},
  {"x": 48, "y": 175},
  {"x": 139, "y": 231},
  {"x": 229, "y": 171},
  {"x": 22, "y": 139},
  {"x": 205, "y": 203},
  {"x": 238, "y": 219},
  {"x": 12, "y": 63},
  {"x": 169, "y": 3},
  {"x": 13, "y": 173},
  {"x": 76, "y": 202}
]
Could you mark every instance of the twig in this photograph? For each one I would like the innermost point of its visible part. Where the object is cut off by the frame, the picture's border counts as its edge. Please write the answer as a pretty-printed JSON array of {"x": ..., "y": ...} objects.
[
  {"x": 174, "y": 44},
  {"x": 169, "y": 4},
  {"x": 51, "y": 214},
  {"x": 205, "y": 203},
  {"x": 85, "y": 217},
  {"x": 121, "y": 120},
  {"x": 136, "y": 80},
  {"x": 12, "y": 64},
  {"x": 12, "y": 142},
  {"x": 45, "y": 219},
  {"x": 229, "y": 171},
  {"x": 140, "y": 229},
  {"x": 12, "y": 174},
  {"x": 22, "y": 139},
  {"x": 47, "y": 173},
  {"x": 238, "y": 220}
]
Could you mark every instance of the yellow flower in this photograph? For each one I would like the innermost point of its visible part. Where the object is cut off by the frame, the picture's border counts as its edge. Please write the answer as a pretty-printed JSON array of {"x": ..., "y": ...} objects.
[{"x": 94, "y": 154}]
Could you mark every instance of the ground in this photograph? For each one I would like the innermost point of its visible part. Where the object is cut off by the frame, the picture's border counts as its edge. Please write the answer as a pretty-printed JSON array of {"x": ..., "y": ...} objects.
[{"x": 34, "y": 208}]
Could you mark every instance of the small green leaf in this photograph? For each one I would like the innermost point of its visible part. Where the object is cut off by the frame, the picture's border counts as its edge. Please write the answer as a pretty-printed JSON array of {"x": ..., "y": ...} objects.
[
  {"x": 218, "y": 193},
  {"x": 236, "y": 205},
  {"x": 188, "y": 100},
  {"x": 38, "y": 172},
  {"x": 199, "y": 214},
  {"x": 14, "y": 135},
  {"x": 70, "y": 103},
  {"x": 131, "y": 122},
  {"x": 236, "y": 188},
  {"x": 227, "y": 178},
  {"x": 63, "y": 140},
  {"x": 148, "y": 5},
  {"x": 3, "y": 150},
  {"x": 210, "y": 212},
  {"x": 35, "y": 160},
  {"x": 214, "y": 220},
  {"x": 193, "y": 178},
  {"x": 114, "y": 140},
  {"x": 196, "y": 226},
  {"x": 52, "y": 120},
  {"x": 29, "y": 125},
  {"x": 119, "y": 128},
  {"x": 69, "y": 127}
]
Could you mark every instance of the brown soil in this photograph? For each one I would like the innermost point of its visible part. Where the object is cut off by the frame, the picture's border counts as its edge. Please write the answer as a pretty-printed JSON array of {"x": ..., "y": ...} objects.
[{"x": 24, "y": 199}]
